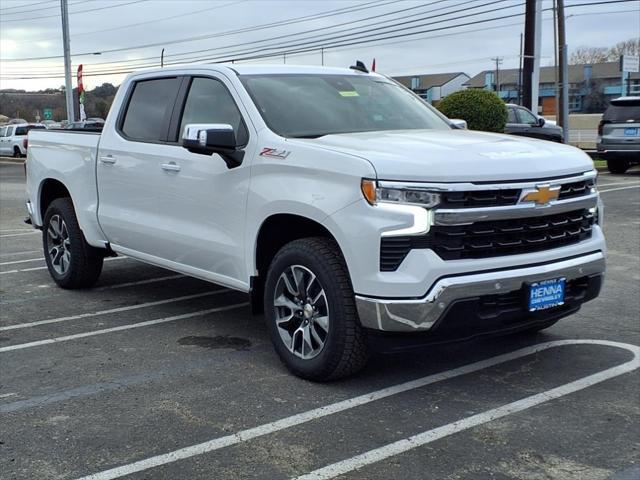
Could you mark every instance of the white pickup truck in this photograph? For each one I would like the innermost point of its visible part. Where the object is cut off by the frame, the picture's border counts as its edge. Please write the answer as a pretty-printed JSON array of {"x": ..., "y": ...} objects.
[{"x": 354, "y": 214}]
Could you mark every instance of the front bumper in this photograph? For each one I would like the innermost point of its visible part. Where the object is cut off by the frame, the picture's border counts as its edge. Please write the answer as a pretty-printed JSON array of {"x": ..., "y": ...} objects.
[{"x": 422, "y": 314}]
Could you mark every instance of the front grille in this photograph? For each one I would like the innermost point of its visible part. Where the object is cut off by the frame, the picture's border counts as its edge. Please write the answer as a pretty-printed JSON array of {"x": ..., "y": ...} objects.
[
  {"x": 480, "y": 198},
  {"x": 576, "y": 189},
  {"x": 492, "y": 238}
]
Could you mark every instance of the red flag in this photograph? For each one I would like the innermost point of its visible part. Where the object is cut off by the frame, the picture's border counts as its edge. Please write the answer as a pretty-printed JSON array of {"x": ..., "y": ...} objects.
[
  {"x": 80, "y": 86},
  {"x": 373, "y": 65}
]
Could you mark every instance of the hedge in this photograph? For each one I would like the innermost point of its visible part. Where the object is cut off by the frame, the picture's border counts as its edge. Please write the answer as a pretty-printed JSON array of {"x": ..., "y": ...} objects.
[{"x": 482, "y": 109}]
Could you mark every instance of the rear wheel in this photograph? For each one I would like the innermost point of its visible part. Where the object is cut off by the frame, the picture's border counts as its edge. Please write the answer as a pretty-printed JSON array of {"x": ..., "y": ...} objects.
[
  {"x": 71, "y": 261},
  {"x": 16, "y": 152},
  {"x": 310, "y": 311},
  {"x": 615, "y": 165}
]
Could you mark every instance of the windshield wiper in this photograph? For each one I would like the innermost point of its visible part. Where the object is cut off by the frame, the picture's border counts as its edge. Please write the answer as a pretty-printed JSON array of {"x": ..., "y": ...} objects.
[{"x": 316, "y": 135}]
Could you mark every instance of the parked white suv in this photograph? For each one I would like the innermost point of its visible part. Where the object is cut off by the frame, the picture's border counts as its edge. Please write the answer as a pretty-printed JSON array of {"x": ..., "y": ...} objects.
[
  {"x": 12, "y": 138},
  {"x": 348, "y": 209}
]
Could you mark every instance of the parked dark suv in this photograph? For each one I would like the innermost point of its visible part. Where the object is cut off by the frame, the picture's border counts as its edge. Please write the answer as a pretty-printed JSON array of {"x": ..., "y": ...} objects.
[
  {"x": 619, "y": 134},
  {"x": 522, "y": 121}
]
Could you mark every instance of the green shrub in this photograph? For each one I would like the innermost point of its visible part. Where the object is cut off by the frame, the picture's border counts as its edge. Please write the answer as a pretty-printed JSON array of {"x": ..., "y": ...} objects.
[{"x": 482, "y": 109}]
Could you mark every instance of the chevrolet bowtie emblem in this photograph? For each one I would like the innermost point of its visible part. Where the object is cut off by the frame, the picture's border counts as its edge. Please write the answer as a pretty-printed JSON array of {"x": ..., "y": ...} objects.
[{"x": 542, "y": 195}]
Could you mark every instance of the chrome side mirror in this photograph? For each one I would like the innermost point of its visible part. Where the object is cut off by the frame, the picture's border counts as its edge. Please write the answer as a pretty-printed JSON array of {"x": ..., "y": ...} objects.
[{"x": 210, "y": 138}]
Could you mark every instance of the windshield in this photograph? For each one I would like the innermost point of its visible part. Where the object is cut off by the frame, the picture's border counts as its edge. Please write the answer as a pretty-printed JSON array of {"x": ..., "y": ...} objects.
[{"x": 310, "y": 106}]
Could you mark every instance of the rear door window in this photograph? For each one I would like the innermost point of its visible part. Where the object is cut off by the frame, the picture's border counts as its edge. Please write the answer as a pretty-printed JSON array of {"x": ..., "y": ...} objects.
[{"x": 149, "y": 110}]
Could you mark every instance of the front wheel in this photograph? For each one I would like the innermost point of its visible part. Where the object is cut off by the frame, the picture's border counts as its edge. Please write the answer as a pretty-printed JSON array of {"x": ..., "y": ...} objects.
[
  {"x": 71, "y": 261},
  {"x": 310, "y": 311},
  {"x": 619, "y": 166}
]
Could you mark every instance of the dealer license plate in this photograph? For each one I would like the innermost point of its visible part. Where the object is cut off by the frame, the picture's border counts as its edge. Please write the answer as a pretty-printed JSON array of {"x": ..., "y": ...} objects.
[
  {"x": 630, "y": 132},
  {"x": 546, "y": 294}
]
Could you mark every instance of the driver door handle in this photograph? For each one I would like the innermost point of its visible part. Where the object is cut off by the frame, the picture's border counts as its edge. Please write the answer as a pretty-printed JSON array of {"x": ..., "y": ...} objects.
[
  {"x": 108, "y": 159},
  {"x": 170, "y": 167}
]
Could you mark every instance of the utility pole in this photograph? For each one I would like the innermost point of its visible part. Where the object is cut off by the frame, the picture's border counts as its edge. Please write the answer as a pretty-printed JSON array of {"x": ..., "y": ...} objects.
[
  {"x": 555, "y": 54},
  {"x": 563, "y": 73},
  {"x": 520, "y": 70},
  {"x": 498, "y": 61},
  {"x": 322, "y": 55},
  {"x": 537, "y": 44},
  {"x": 162, "y": 59},
  {"x": 529, "y": 52},
  {"x": 68, "y": 86}
]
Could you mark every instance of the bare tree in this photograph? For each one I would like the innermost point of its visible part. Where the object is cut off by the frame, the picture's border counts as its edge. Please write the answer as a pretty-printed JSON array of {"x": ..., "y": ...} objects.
[
  {"x": 588, "y": 55},
  {"x": 628, "y": 47}
]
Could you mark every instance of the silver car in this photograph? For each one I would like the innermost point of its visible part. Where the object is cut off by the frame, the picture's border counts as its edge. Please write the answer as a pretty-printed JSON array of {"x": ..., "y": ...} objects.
[{"x": 619, "y": 134}]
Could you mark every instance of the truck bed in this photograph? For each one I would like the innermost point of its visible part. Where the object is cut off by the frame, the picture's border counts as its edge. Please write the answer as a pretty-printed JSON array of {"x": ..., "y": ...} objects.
[{"x": 69, "y": 157}]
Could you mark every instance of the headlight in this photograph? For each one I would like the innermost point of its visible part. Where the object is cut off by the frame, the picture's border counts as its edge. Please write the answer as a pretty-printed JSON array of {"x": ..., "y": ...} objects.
[{"x": 374, "y": 193}]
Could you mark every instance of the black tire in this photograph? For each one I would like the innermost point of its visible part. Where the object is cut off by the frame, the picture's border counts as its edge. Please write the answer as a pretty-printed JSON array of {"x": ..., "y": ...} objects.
[
  {"x": 84, "y": 263},
  {"x": 345, "y": 349},
  {"x": 16, "y": 152},
  {"x": 618, "y": 166}
]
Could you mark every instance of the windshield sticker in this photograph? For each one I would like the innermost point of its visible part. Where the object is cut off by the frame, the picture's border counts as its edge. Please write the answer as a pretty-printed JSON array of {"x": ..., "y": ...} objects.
[
  {"x": 350, "y": 93},
  {"x": 274, "y": 153}
]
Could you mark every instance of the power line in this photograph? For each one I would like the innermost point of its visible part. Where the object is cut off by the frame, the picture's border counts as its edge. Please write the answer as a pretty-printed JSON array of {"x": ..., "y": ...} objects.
[
  {"x": 305, "y": 48},
  {"x": 223, "y": 34},
  {"x": 351, "y": 32},
  {"x": 302, "y": 44},
  {"x": 513, "y": 24},
  {"x": 44, "y": 8},
  {"x": 31, "y": 5},
  {"x": 173, "y": 17},
  {"x": 351, "y": 22},
  {"x": 249, "y": 55},
  {"x": 72, "y": 13}
]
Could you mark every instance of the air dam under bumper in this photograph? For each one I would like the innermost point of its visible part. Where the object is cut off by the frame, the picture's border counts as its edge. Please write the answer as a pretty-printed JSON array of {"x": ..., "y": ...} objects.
[{"x": 420, "y": 315}]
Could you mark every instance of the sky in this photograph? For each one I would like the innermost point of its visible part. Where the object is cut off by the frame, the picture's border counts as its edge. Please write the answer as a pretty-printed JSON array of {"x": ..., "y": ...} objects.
[{"x": 140, "y": 29}]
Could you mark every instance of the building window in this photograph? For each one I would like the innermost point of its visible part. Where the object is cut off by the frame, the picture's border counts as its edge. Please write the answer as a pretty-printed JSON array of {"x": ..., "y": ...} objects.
[
  {"x": 415, "y": 83},
  {"x": 575, "y": 103}
]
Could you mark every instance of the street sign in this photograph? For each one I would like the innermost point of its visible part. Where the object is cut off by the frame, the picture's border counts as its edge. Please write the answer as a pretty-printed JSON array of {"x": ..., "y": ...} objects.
[
  {"x": 630, "y": 63},
  {"x": 47, "y": 113}
]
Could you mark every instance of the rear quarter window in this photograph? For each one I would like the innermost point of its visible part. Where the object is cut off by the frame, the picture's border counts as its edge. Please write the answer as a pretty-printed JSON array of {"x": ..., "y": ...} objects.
[{"x": 150, "y": 105}]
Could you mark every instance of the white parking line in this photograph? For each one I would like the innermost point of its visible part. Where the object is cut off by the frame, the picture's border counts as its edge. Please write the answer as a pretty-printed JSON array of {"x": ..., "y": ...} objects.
[
  {"x": 404, "y": 445},
  {"x": 619, "y": 188},
  {"x": 19, "y": 234},
  {"x": 22, "y": 346},
  {"x": 112, "y": 310},
  {"x": 605, "y": 185},
  {"x": 12, "y": 230},
  {"x": 45, "y": 267},
  {"x": 22, "y": 261},
  {"x": 10, "y": 254},
  {"x": 304, "y": 417}
]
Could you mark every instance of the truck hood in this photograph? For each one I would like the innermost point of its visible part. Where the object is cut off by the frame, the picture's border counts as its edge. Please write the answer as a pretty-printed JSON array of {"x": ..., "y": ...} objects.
[{"x": 456, "y": 155}]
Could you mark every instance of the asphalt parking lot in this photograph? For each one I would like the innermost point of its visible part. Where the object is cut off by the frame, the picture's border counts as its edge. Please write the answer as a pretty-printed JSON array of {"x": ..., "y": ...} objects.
[{"x": 153, "y": 375}]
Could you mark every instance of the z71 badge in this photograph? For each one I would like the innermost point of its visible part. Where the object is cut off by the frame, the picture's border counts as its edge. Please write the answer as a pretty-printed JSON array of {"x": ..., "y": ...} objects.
[{"x": 274, "y": 153}]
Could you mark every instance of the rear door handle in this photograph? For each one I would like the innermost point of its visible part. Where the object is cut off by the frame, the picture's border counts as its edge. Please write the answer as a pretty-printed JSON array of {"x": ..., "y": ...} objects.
[
  {"x": 171, "y": 167},
  {"x": 108, "y": 159}
]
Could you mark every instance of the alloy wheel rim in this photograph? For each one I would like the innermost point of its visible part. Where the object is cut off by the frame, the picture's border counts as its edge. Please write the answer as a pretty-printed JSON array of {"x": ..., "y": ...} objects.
[
  {"x": 58, "y": 245},
  {"x": 301, "y": 312}
]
